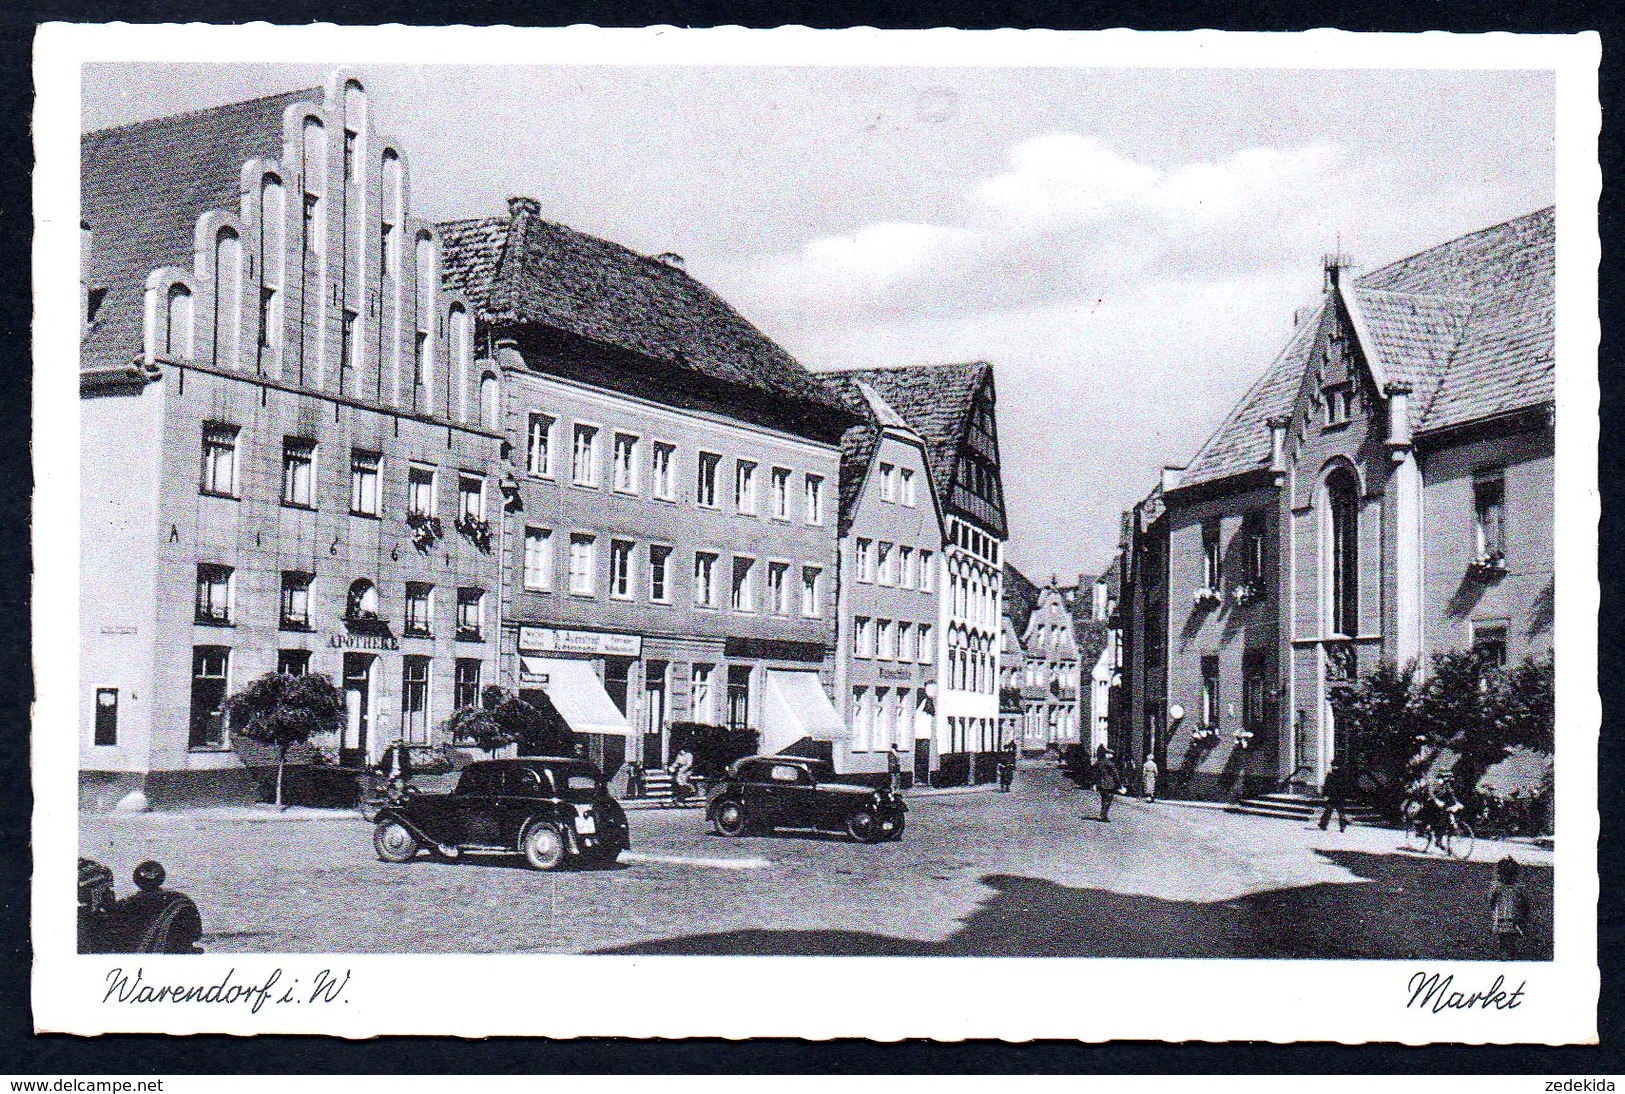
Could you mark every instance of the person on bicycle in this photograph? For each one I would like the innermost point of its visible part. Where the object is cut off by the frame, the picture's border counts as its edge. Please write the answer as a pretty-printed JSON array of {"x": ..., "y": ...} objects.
[{"x": 1439, "y": 809}]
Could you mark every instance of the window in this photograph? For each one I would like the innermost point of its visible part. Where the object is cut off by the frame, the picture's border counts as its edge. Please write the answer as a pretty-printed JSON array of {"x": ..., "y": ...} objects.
[
  {"x": 906, "y": 650},
  {"x": 620, "y": 569},
  {"x": 293, "y": 662},
  {"x": 927, "y": 650},
  {"x": 660, "y": 574},
  {"x": 700, "y": 700},
  {"x": 738, "y": 696},
  {"x": 1343, "y": 548},
  {"x": 419, "y": 622},
  {"x": 296, "y": 600},
  {"x": 663, "y": 485},
  {"x": 362, "y": 601},
  {"x": 705, "y": 574},
  {"x": 470, "y": 615},
  {"x": 106, "y": 731},
  {"x": 1254, "y": 691},
  {"x": 471, "y": 497},
  {"x": 213, "y": 594},
  {"x": 1210, "y": 692},
  {"x": 415, "y": 699},
  {"x": 886, "y": 724},
  {"x": 420, "y": 369},
  {"x": 584, "y": 456},
  {"x": 863, "y": 635},
  {"x": 1210, "y": 555},
  {"x": 888, "y": 482},
  {"x": 745, "y": 486},
  {"x": 364, "y": 483},
  {"x": 862, "y": 719},
  {"x": 211, "y": 668},
  {"x": 583, "y": 563},
  {"x": 1339, "y": 403},
  {"x": 539, "y": 446},
  {"x": 219, "y": 477},
  {"x": 927, "y": 571},
  {"x": 269, "y": 326},
  {"x": 347, "y": 354},
  {"x": 705, "y": 480},
  {"x": 905, "y": 567},
  {"x": 299, "y": 472},
  {"x": 778, "y": 587},
  {"x": 1489, "y": 518},
  {"x": 626, "y": 463},
  {"x": 178, "y": 325},
  {"x": 781, "y": 493},
  {"x": 812, "y": 591},
  {"x": 865, "y": 553},
  {"x": 467, "y": 678},
  {"x": 883, "y": 564},
  {"x": 539, "y": 559},
  {"x": 909, "y": 495},
  {"x": 1490, "y": 644},
  {"x": 815, "y": 499},
  {"x": 1253, "y": 545},
  {"x": 743, "y": 598},
  {"x": 886, "y": 641},
  {"x": 228, "y": 270},
  {"x": 420, "y": 499}
]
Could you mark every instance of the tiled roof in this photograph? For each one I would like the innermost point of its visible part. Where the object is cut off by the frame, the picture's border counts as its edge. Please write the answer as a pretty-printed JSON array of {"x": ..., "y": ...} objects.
[
  {"x": 1469, "y": 324},
  {"x": 936, "y": 401},
  {"x": 1020, "y": 597},
  {"x": 142, "y": 188},
  {"x": 1090, "y": 635},
  {"x": 521, "y": 269},
  {"x": 860, "y": 442}
]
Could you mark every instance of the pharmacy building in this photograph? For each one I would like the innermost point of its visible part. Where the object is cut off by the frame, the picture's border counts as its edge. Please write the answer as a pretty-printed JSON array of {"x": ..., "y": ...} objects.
[{"x": 290, "y": 458}]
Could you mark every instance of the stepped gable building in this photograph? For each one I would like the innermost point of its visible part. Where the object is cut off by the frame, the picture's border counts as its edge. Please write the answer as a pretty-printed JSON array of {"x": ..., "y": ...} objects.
[
  {"x": 1051, "y": 694},
  {"x": 892, "y": 532},
  {"x": 1384, "y": 492},
  {"x": 286, "y": 463},
  {"x": 952, "y": 408},
  {"x": 670, "y": 526}
]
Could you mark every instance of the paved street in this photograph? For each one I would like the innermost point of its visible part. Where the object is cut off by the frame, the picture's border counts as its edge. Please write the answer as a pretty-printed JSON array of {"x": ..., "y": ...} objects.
[{"x": 1029, "y": 873}]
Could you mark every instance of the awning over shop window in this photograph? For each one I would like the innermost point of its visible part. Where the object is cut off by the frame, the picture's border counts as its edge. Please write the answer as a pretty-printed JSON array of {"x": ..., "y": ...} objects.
[
  {"x": 797, "y": 708},
  {"x": 575, "y": 692}
]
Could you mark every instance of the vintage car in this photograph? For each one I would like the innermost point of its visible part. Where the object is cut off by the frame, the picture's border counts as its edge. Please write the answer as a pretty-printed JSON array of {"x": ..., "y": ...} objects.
[
  {"x": 765, "y": 792},
  {"x": 549, "y": 809},
  {"x": 151, "y": 920}
]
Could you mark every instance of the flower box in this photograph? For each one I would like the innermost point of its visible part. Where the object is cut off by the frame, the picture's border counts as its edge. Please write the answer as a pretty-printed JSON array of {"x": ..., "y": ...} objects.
[{"x": 1206, "y": 598}]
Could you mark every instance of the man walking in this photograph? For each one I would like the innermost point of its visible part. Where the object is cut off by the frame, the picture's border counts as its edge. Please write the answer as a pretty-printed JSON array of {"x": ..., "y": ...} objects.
[
  {"x": 894, "y": 769},
  {"x": 1335, "y": 789},
  {"x": 1107, "y": 781}
]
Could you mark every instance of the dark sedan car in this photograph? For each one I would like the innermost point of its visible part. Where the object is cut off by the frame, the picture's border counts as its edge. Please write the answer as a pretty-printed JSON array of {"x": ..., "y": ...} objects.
[
  {"x": 766, "y": 792},
  {"x": 551, "y": 810}
]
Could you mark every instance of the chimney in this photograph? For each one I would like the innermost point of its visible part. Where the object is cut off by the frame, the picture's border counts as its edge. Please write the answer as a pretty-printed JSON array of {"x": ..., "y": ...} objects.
[
  {"x": 1399, "y": 418},
  {"x": 1170, "y": 478},
  {"x": 527, "y": 207},
  {"x": 670, "y": 258}
]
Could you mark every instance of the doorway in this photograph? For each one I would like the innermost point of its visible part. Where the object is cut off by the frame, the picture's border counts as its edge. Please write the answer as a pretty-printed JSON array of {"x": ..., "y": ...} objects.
[
  {"x": 654, "y": 714},
  {"x": 358, "y": 672}
]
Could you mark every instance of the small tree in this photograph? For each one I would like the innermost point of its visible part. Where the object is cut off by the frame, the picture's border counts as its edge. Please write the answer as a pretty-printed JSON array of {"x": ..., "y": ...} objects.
[
  {"x": 539, "y": 732},
  {"x": 282, "y": 710},
  {"x": 1523, "y": 709},
  {"x": 1381, "y": 712}
]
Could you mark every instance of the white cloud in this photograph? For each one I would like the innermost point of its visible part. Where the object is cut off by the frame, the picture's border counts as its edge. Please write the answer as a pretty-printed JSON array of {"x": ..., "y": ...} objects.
[{"x": 1062, "y": 179}]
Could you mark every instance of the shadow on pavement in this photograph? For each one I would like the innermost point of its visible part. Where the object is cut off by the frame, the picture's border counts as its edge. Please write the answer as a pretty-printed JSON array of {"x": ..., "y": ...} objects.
[{"x": 1401, "y": 909}]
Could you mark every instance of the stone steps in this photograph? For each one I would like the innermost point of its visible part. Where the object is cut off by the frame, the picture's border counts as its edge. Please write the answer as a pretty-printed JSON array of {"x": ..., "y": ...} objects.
[{"x": 1301, "y": 807}]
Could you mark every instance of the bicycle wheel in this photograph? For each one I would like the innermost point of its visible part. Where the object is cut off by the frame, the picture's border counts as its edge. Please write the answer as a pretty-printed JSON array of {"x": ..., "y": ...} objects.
[
  {"x": 1460, "y": 843},
  {"x": 1417, "y": 837}
]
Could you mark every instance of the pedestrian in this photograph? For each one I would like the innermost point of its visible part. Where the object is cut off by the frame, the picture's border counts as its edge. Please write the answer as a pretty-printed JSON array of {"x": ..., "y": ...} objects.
[
  {"x": 396, "y": 767},
  {"x": 1335, "y": 791},
  {"x": 1107, "y": 781},
  {"x": 894, "y": 769},
  {"x": 1148, "y": 777},
  {"x": 1509, "y": 908},
  {"x": 634, "y": 779},
  {"x": 1007, "y": 767},
  {"x": 682, "y": 771}
]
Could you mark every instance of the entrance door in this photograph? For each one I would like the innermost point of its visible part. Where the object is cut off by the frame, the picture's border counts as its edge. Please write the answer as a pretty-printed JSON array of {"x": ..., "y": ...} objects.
[
  {"x": 654, "y": 714},
  {"x": 358, "y": 669}
]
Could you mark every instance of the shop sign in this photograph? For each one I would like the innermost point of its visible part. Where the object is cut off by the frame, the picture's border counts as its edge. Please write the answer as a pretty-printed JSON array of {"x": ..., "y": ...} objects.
[
  {"x": 593, "y": 643},
  {"x": 896, "y": 674},
  {"x": 346, "y": 641}
]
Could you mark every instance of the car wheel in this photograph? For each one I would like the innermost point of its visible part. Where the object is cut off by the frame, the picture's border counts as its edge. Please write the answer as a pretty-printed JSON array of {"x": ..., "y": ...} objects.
[
  {"x": 730, "y": 819},
  {"x": 897, "y": 832},
  {"x": 543, "y": 847},
  {"x": 394, "y": 842},
  {"x": 864, "y": 826}
]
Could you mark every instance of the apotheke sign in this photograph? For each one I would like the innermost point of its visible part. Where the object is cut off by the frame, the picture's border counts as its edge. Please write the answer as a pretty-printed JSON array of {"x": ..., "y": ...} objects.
[{"x": 600, "y": 643}]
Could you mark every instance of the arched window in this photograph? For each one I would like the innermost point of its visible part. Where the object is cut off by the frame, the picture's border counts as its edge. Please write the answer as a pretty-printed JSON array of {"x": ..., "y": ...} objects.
[
  {"x": 1342, "y": 552},
  {"x": 178, "y": 323},
  {"x": 269, "y": 324},
  {"x": 228, "y": 295},
  {"x": 363, "y": 600},
  {"x": 389, "y": 240},
  {"x": 423, "y": 342},
  {"x": 458, "y": 347},
  {"x": 488, "y": 401}
]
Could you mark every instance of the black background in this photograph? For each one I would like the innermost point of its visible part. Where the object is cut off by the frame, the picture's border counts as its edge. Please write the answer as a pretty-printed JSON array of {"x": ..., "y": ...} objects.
[{"x": 24, "y": 1053}]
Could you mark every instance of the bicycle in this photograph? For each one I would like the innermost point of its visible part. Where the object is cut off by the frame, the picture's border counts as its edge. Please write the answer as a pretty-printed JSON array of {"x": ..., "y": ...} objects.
[{"x": 1456, "y": 839}]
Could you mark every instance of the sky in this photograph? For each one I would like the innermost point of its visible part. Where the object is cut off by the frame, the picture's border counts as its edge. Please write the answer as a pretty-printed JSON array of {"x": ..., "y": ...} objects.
[{"x": 1126, "y": 246}]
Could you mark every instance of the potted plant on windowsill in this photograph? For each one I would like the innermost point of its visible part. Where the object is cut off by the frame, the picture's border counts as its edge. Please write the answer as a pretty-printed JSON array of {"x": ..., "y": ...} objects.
[
  {"x": 1206, "y": 597},
  {"x": 1243, "y": 739},
  {"x": 426, "y": 530},
  {"x": 1488, "y": 568},
  {"x": 1204, "y": 735},
  {"x": 1247, "y": 592},
  {"x": 476, "y": 531}
]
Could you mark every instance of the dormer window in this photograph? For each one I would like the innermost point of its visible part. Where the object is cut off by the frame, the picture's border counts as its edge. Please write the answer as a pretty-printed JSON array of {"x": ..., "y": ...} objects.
[{"x": 1339, "y": 400}]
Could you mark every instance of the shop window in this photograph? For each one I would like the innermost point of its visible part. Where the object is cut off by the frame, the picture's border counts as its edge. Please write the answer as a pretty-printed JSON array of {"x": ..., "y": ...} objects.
[
  {"x": 415, "y": 699},
  {"x": 211, "y": 670}
]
